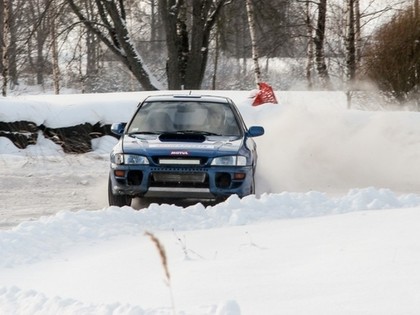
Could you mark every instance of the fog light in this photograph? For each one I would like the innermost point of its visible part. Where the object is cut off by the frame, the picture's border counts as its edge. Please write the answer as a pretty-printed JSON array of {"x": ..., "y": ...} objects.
[
  {"x": 119, "y": 173},
  {"x": 239, "y": 176}
]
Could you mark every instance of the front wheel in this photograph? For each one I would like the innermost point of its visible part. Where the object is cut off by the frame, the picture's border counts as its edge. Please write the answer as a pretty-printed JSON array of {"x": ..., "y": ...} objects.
[{"x": 117, "y": 200}]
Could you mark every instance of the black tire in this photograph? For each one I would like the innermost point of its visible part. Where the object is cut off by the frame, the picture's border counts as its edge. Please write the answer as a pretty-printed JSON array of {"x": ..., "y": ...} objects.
[{"x": 117, "y": 200}]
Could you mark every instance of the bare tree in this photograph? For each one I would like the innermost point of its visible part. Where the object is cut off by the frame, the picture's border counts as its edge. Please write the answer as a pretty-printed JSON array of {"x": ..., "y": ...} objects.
[
  {"x": 87, "y": 53},
  {"x": 20, "y": 30},
  {"x": 113, "y": 32},
  {"x": 37, "y": 12}
]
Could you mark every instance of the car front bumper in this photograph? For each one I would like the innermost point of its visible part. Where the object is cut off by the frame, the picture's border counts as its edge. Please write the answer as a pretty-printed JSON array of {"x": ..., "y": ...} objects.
[{"x": 210, "y": 182}]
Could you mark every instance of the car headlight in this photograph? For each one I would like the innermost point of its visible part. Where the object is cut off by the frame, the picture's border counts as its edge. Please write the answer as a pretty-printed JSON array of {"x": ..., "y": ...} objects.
[
  {"x": 121, "y": 158},
  {"x": 230, "y": 160}
]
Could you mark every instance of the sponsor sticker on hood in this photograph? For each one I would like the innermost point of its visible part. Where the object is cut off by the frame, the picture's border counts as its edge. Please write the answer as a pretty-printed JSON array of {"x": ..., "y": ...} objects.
[{"x": 181, "y": 153}]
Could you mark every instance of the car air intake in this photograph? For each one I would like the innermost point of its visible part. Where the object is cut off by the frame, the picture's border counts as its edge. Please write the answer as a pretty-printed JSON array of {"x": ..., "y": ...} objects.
[
  {"x": 134, "y": 178},
  {"x": 179, "y": 177},
  {"x": 223, "y": 180}
]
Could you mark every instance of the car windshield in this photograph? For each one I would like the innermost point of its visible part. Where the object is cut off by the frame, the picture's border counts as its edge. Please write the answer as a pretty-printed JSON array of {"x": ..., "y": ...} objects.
[{"x": 208, "y": 118}]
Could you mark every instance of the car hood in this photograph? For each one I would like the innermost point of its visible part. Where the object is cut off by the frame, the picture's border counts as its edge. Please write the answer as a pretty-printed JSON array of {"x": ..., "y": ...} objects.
[{"x": 155, "y": 145}]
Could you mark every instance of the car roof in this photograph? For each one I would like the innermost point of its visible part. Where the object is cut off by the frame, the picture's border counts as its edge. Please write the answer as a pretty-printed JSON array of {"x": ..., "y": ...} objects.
[{"x": 188, "y": 97}]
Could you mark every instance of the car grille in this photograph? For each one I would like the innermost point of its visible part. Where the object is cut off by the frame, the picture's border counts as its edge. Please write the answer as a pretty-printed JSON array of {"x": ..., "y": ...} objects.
[{"x": 179, "y": 179}]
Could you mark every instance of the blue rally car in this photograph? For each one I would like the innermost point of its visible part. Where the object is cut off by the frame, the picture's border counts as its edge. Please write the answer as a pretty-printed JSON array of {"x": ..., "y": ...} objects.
[{"x": 183, "y": 146}]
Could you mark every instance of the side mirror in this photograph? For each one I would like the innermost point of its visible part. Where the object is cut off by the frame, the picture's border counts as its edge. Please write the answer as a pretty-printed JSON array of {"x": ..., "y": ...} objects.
[
  {"x": 255, "y": 131},
  {"x": 118, "y": 128}
]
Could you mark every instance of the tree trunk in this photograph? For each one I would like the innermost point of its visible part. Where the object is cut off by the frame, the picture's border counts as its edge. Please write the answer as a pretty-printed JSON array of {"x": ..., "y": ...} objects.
[
  {"x": 358, "y": 32},
  {"x": 55, "y": 63},
  {"x": 200, "y": 40},
  {"x": 153, "y": 24},
  {"x": 183, "y": 44},
  {"x": 417, "y": 18},
  {"x": 168, "y": 11},
  {"x": 89, "y": 75},
  {"x": 40, "y": 64},
  {"x": 5, "y": 56},
  {"x": 216, "y": 63},
  {"x": 321, "y": 65},
  {"x": 91, "y": 60},
  {"x": 254, "y": 46},
  {"x": 13, "y": 75},
  {"x": 310, "y": 46},
  {"x": 188, "y": 39},
  {"x": 1, "y": 28},
  {"x": 350, "y": 42}
]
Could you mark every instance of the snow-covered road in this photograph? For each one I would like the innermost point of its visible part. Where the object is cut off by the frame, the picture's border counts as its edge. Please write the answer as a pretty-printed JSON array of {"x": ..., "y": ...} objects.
[{"x": 32, "y": 187}]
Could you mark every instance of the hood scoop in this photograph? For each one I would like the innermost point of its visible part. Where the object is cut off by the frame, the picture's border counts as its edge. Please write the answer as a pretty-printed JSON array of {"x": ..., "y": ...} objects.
[{"x": 181, "y": 137}]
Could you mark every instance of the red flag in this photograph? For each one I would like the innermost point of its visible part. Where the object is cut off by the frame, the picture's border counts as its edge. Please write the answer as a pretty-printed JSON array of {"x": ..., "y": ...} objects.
[{"x": 264, "y": 95}]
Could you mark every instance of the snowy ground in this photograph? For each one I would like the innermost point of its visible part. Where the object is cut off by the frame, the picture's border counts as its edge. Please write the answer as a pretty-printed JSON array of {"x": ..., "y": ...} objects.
[{"x": 334, "y": 228}]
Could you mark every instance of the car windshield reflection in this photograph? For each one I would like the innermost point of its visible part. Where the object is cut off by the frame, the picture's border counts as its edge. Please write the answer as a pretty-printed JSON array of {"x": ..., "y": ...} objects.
[{"x": 216, "y": 119}]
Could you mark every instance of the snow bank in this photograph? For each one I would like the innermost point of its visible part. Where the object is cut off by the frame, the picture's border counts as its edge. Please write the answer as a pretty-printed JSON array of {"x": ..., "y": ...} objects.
[
  {"x": 55, "y": 111},
  {"x": 33, "y": 241},
  {"x": 15, "y": 301}
]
